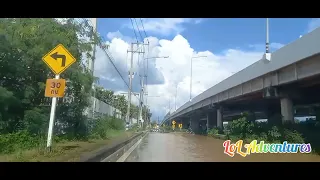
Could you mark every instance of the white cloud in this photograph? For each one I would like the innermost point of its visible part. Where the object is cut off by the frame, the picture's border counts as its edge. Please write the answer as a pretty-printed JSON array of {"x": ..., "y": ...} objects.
[
  {"x": 165, "y": 74},
  {"x": 117, "y": 34},
  {"x": 198, "y": 21},
  {"x": 165, "y": 26},
  {"x": 313, "y": 24}
]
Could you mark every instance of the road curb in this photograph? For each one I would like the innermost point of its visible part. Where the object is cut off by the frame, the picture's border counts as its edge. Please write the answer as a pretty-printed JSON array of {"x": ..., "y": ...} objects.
[
  {"x": 111, "y": 152},
  {"x": 127, "y": 153}
]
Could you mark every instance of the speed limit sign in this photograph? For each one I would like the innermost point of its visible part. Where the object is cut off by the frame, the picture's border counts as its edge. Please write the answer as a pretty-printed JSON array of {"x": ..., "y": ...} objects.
[{"x": 55, "y": 88}]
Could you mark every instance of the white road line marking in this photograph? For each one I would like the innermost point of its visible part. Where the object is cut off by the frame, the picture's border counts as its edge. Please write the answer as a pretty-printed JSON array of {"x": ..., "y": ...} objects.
[{"x": 127, "y": 154}]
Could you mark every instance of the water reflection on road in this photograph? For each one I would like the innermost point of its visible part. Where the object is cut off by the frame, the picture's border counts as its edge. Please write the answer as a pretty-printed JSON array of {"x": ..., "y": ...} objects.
[{"x": 182, "y": 147}]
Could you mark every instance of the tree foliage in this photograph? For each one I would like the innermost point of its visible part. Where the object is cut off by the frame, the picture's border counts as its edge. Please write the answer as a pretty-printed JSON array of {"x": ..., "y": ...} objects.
[
  {"x": 23, "y": 74},
  {"x": 120, "y": 102},
  {"x": 23, "y": 107}
]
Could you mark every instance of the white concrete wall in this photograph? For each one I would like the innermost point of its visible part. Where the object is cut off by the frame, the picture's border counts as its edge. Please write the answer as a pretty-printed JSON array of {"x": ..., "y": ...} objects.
[
  {"x": 102, "y": 108},
  {"x": 105, "y": 109}
]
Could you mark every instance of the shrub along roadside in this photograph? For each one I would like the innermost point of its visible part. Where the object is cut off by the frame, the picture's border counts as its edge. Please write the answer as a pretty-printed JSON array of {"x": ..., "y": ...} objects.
[{"x": 103, "y": 128}]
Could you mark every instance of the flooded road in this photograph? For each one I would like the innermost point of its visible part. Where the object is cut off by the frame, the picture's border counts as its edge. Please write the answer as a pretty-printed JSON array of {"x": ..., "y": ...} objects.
[{"x": 182, "y": 147}]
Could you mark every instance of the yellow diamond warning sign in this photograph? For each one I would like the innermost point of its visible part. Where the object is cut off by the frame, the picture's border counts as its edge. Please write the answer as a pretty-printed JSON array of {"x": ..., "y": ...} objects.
[{"x": 59, "y": 59}]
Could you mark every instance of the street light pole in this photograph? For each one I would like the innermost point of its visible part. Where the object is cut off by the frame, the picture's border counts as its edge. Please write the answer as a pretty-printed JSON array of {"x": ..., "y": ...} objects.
[
  {"x": 145, "y": 86},
  {"x": 267, "y": 36},
  {"x": 175, "y": 98},
  {"x": 191, "y": 75}
]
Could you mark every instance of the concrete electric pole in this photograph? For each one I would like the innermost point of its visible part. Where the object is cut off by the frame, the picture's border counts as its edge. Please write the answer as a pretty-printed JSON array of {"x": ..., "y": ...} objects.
[
  {"x": 91, "y": 63},
  {"x": 141, "y": 100},
  {"x": 131, "y": 76}
]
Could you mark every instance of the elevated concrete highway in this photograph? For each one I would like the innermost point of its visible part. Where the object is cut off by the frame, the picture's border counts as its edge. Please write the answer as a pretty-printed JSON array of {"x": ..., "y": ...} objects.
[{"x": 279, "y": 80}]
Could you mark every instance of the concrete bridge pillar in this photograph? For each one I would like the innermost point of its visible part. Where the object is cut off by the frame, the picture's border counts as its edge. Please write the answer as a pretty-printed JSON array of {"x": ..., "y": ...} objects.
[
  {"x": 273, "y": 112},
  {"x": 286, "y": 110},
  {"x": 194, "y": 124},
  {"x": 211, "y": 120},
  {"x": 185, "y": 123},
  {"x": 219, "y": 118}
]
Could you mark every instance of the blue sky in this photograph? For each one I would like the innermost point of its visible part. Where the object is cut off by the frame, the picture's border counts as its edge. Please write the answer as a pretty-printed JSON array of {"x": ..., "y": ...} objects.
[
  {"x": 219, "y": 34},
  {"x": 229, "y": 44}
]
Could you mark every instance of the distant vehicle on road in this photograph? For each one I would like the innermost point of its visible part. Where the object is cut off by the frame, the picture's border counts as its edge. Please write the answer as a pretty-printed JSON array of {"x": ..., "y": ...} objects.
[{"x": 154, "y": 130}]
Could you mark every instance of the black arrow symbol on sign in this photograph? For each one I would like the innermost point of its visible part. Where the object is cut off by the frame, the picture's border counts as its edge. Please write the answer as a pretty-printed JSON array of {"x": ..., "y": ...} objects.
[{"x": 56, "y": 56}]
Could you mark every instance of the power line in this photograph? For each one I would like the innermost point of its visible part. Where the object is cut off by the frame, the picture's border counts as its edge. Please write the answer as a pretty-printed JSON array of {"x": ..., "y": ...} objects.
[
  {"x": 135, "y": 34},
  {"x": 138, "y": 48},
  {"x": 142, "y": 39},
  {"x": 106, "y": 52},
  {"x": 144, "y": 29}
]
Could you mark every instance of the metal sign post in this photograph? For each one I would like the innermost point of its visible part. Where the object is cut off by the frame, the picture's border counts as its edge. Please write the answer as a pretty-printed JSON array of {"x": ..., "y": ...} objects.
[
  {"x": 58, "y": 60},
  {"x": 51, "y": 122}
]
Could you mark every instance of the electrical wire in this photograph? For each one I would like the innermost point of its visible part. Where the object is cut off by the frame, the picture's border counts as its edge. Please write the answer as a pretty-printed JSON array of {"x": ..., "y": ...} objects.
[
  {"x": 100, "y": 44},
  {"x": 144, "y": 29},
  {"x": 134, "y": 30},
  {"x": 142, "y": 40}
]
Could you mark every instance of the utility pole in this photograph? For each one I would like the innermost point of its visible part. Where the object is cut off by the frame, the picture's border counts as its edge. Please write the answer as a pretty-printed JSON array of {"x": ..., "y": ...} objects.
[
  {"x": 130, "y": 86},
  {"x": 141, "y": 99},
  {"x": 267, "y": 55},
  {"x": 190, "y": 79},
  {"x": 131, "y": 75},
  {"x": 146, "y": 87},
  {"x": 92, "y": 61},
  {"x": 267, "y": 36},
  {"x": 175, "y": 98}
]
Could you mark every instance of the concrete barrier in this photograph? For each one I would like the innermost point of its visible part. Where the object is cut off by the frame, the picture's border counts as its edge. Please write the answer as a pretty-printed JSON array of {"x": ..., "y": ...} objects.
[{"x": 113, "y": 151}]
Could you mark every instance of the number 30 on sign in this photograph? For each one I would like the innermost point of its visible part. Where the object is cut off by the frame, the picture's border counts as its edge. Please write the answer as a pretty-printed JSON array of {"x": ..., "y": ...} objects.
[{"x": 55, "y": 88}]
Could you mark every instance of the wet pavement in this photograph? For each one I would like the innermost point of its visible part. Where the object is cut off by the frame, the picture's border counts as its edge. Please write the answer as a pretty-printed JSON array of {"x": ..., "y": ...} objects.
[{"x": 183, "y": 147}]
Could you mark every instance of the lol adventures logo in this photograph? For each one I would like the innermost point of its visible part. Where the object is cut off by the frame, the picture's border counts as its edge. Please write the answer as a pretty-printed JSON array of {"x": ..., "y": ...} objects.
[{"x": 231, "y": 149}]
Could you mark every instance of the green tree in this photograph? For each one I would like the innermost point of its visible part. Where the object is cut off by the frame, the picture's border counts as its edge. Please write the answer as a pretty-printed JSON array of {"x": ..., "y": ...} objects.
[
  {"x": 23, "y": 74},
  {"x": 104, "y": 95}
]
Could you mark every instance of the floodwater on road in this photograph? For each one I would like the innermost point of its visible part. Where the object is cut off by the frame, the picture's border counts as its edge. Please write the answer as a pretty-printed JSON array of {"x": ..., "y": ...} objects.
[{"x": 183, "y": 147}]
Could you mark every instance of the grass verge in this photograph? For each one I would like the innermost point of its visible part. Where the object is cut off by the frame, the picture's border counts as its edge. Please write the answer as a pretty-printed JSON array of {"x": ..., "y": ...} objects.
[{"x": 68, "y": 151}]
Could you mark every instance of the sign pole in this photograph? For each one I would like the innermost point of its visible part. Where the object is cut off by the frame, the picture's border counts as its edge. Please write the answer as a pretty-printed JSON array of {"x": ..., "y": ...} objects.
[
  {"x": 58, "y": 60},
  {"x": 51, "y": 122}
]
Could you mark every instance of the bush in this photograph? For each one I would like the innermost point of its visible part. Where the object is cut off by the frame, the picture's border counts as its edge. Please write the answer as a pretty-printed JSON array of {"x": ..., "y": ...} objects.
[
  {"x": 35, "y": 121},
  {"x": 241, "y": 127},
  {"x": 19, "y": 141},
  {"x": 104, "y": 126},
  {"x": 274, "y": 134},
  {"x": 248, "y": 131},
  {"x": 213, "y": 131},
  {"x": 292, "y": 136}
]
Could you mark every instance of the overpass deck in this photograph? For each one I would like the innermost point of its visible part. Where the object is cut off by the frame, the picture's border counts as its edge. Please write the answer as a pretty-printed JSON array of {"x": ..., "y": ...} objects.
[{"x": 289, "y": 63}]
